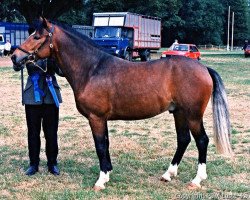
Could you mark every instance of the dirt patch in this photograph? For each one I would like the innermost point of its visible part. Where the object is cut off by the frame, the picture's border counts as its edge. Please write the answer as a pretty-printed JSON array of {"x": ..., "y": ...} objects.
[
  {"x": 146, "y": 141},
  {"x": 5, "y": 62}
]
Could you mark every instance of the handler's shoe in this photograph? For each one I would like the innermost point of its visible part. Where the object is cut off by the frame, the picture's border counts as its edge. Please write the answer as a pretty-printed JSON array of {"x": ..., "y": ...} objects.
[
  {"x": 54, "y": 170},
  {"x": 31, "y": 170}
]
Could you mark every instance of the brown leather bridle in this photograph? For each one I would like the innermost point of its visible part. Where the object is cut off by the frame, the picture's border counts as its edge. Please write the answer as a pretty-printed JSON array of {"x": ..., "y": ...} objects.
[{"x": 31, "y": 57}]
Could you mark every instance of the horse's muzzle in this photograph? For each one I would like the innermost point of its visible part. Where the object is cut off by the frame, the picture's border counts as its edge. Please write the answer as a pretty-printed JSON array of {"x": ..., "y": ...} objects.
[
  {"x": 16, "y": 62},
  {"x": 14, "y": 59}
]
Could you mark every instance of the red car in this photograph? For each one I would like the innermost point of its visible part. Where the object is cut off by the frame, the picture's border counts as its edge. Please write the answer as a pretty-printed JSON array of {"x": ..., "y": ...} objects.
[
  {"x": 247, "y": 51},
  {"x": 187, "y": 50}
]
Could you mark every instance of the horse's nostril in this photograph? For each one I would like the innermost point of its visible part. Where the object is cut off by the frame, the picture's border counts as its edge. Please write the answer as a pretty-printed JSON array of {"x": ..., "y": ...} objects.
[{"x": 13, "y": 58}]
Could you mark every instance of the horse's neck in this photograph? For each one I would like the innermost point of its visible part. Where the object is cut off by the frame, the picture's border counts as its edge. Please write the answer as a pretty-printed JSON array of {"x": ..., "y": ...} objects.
[{"x": 75, "y": 61}]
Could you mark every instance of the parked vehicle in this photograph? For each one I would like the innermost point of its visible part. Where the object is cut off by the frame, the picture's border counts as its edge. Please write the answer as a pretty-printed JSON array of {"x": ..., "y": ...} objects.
[
  {"x": 16, "y": 33},
  {"x": 187, "y": 50},
  {"x": 2, "y": 42},
  {"x": 247, "y": 51},
  {"x": 127, "y": 35},
  {"x": 86, "y": 30}
]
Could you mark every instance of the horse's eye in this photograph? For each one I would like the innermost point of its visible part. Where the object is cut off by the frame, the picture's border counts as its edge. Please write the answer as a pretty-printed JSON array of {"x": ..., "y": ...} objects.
[{"x": 37, "y": 37}]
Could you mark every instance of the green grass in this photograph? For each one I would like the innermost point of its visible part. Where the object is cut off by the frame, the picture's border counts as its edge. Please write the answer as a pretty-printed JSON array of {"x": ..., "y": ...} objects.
[{"x": 140, "y": 150}]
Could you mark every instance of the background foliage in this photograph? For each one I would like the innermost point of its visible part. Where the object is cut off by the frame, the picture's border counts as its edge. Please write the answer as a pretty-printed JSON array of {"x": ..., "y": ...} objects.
[{"x": 194, "y": 21}]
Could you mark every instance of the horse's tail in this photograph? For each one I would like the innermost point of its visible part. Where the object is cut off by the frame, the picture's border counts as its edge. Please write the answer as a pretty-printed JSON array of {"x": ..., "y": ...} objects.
[{"x": 222, "y": 127}]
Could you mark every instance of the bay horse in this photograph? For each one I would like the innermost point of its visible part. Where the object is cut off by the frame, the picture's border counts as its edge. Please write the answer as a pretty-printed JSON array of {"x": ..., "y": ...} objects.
[{"x": 109, "y": 88}]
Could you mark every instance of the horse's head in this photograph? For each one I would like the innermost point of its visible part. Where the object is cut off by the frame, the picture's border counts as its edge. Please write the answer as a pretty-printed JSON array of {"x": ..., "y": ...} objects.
[{"x": 37, "y": 45}]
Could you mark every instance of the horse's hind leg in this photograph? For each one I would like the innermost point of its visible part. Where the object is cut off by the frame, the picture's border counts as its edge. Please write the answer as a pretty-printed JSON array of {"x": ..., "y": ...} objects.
[
  {"x": 201, "y": 139},
  {"x": 183, "y": 139},
  {"x": 100, "y": 134}
]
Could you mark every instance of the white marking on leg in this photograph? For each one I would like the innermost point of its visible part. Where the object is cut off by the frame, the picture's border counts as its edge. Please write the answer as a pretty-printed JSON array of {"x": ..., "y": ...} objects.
[
  {"x": 172, "y": 171},
  {"x": 201, "y": 174},
  {"x": 103, "y": 178}
]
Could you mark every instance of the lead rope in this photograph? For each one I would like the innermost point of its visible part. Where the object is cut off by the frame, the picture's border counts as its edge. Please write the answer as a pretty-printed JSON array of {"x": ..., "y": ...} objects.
[
  {"x": 34, "y": 63},
  {"x": 22, "y": 86}
]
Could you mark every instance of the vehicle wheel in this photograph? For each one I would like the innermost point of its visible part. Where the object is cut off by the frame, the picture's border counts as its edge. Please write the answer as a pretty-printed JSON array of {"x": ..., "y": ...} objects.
[
  {"x": 128, "y": 56},
  {"x": 148, "y": 56},
  {"x": 145, "y": 55}
]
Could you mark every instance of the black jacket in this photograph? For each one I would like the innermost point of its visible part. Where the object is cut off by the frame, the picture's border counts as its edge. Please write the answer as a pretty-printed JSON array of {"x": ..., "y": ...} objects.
[{"x": 44, "y": 68}]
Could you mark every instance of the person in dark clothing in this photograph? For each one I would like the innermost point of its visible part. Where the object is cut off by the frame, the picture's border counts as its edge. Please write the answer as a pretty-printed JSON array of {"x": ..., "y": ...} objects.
[
  {"x": 41, "y": 98},
  {"x": 245, "y": 45}
]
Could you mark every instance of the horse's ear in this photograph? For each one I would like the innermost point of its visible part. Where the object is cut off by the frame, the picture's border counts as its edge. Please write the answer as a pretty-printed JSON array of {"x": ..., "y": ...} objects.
[{"x": 44, "y": 22}]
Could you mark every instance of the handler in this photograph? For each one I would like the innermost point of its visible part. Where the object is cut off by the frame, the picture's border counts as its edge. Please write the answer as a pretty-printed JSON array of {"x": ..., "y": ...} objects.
[{"x": 41, "y": 98}]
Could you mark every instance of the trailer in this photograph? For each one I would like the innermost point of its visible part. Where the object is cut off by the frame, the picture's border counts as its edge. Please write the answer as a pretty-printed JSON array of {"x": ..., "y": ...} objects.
[
  {"x": 16, "y": 33},
  {"x": 127, "y": 35}
]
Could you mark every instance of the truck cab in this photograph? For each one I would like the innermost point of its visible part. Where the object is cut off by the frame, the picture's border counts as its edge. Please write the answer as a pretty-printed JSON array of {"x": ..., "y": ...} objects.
[{"x": 117, "y": 41}]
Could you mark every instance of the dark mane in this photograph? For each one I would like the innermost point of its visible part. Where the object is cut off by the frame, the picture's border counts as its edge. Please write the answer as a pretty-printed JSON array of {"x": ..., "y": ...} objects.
[{"x": 72, "y": 31}]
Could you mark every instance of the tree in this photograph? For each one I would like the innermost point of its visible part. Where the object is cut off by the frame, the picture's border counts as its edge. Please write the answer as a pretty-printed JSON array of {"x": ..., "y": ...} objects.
[
  {"x": 32, "y": 9},
  {"x": 241, "y": 19},
  {"x": 248, "y": 19},
  {"x": 203, "y": 21},
  {"x": 196, "y": 21},
  {"x": 9, "y": 13},
  {"x": 167, "y": 10},
  {"x": 93, "y": 6},
  {"x": 241, "y": 27}
]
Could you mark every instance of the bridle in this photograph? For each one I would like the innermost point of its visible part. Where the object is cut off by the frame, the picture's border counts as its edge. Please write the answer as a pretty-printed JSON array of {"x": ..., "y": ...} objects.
[{"x": 31, "y": 57}]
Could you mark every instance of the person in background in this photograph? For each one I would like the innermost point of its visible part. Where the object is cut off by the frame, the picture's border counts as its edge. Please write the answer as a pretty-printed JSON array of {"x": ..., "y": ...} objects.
[
  {"x": 172, "y": 46},
  {"x": 245, "y": 45},
  {"x": 7, "y": 48}
]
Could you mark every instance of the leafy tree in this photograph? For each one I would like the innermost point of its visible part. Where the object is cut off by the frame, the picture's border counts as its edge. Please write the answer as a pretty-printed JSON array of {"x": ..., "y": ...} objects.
[
  {"x": 92, "y": 6},
  {"x": 241, "y": 20},
  {"x": 248, "y": 19},
  {"x": 32, "y": 9},
  {"x": 196, "y": 21},
  {"x": 203, "y": 21},
  {"x": 241, "y": 27},
  {"x": 9, "y": 13},
  {"x": 167, "y": 10}
]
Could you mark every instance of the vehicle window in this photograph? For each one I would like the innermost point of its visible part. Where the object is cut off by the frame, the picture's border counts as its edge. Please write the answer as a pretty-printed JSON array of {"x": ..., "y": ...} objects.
[
  {"x": 107, "y": 32},
  {"x": 124, "y": 33},
  {"x": 180, "y": 47},
  {"x": 130, "y": 34},
  {"x": 176, "y": 47},
  {"x": 194, "y": 48},
  {"x": 183, "y": 48}
]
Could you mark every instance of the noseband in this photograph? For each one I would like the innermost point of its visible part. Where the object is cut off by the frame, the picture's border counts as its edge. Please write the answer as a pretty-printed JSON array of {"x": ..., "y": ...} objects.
[{"x": 32, "y": 56}]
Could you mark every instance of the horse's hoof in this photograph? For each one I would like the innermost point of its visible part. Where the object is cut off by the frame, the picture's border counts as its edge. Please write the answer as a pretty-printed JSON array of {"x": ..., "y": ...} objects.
[
  {"x": 97, "y": 188},
  {"x": 163, "y": 179},
  {"x": 193, "y": 186}
]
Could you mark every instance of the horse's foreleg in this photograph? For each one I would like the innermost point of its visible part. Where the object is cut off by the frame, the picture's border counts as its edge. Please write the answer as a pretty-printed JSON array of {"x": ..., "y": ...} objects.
[
  {"x": 183, "y": 139},
  {"x": 100, "y": 134},
  {"x": 201, "y": 140}
]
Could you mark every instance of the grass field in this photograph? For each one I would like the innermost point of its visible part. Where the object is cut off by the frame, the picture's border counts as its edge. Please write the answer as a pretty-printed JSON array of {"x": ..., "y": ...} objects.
[{"x": 140, "y": 150}]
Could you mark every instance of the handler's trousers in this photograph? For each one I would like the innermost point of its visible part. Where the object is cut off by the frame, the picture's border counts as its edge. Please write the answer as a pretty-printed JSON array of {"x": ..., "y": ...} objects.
[{"x": 46, "y": 115}]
